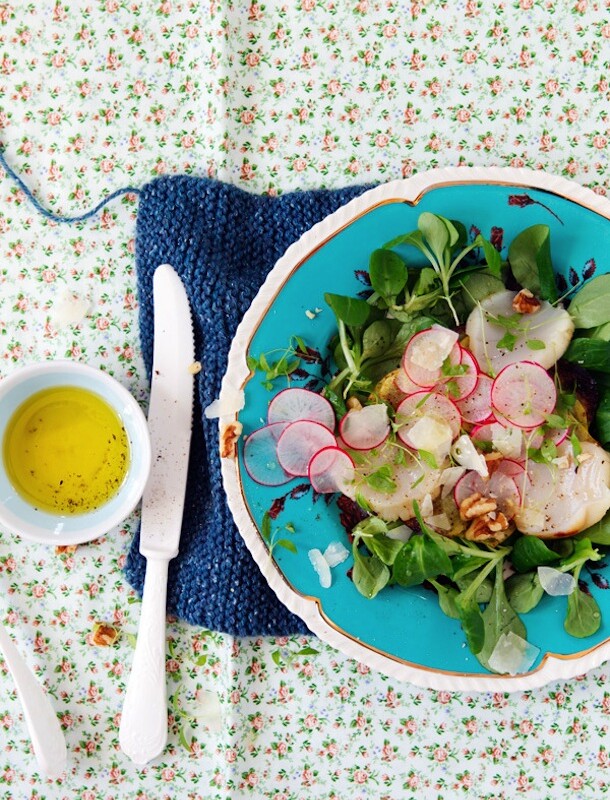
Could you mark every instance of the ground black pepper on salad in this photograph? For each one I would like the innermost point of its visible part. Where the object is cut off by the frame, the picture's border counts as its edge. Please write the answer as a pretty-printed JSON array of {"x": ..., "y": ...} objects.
[{"x": 465, "y": 419}]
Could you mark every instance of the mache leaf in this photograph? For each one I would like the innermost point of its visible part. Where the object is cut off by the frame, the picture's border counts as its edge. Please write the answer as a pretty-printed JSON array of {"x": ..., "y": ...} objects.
[
  {"x": 388, "y": 273},
  {"x": 590, "y": 306},
  {"x": 350, "y": 310},
  {"x": 529, "y": 255}
]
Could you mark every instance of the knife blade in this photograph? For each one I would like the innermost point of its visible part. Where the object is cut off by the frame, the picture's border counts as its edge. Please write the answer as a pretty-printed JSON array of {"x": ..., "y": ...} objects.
[{"x": 143, "y": 729}]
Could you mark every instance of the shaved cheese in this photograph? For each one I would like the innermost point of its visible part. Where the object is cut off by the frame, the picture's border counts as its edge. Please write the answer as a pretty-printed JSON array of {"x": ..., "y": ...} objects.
[
  {"x": 431, "y": 434},
  {"x": 556, "y": 583},
  {"x": 512, "y": 655},
  {"x": 335, "y": 554},
  {"x": 429, "y": 353},
  {"x": 507, "y": 441},
  {"x": 320, "y": 564},
  {"x": 449, "y": 477},
  {"x": 426, "y": 508},
  {"x": 231, "y": 401},
  {"x": 440, "y": 521},
  {"x": 465, "y": 453},
  {"x": 402, "y": 533}
]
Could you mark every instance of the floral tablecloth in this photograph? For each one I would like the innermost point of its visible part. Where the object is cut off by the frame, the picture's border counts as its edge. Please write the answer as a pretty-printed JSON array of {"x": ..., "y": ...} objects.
[{"x": 271, "y": 96}]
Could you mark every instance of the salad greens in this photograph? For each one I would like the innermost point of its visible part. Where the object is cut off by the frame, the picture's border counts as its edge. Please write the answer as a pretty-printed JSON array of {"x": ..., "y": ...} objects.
[
  {"x": 487, "y": 588},
  {"x": 486, "y": 583}
]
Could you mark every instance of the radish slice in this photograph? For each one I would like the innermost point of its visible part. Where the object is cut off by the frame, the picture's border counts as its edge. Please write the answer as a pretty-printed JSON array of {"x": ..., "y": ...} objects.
[
  {"x": 558, "y": 436},
  {"x": 505, "y": 492},
  {"x": 405, "y": 384},
  {"x": 484, "y": 432},
  {"x": 299, "y": 443},
  {"x": 533, "y": 439},
  {"x": 425, "y": 354},
  {"x": 511, "y": 467},
  {"x": 427, "y": 404},
  {"x": 506, "y": 440},
  {"x": 292, "y": 404},
  {"x": 260, "y": 455},
  {"x": 365, "y": 428},
  {"x": 462, "y": 386},
  {"x": 330, "y": 470},
  {"x": 468, "y": 484},
  {"x": 476, "y": 407},
  {"x": 524, "y": 394}
]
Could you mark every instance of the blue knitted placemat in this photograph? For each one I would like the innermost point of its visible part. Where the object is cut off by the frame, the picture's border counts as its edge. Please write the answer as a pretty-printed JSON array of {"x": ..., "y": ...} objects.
[{"x": 222, "y": 241}]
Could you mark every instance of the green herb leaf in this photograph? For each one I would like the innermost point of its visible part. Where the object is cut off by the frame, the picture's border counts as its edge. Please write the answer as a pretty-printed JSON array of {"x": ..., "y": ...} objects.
[
  {"x": 548, "y": 448},
  {"x": 598, "y": 533},
  {"x": 388, "y": 273},
  {"x": 583, "y": 616},
  {"x": 472, "y": 621},
  {"x": 507, "y": 342},
  {"x": 576, "y": 446},
  {"x": 428, "y": 458},
  {"x": 363, "y": 503},
  {"x": 350, "y": 310},
  {"x": 266, "y": 527},
  {"x": 535, "y": 344},
  {"x": 492, "y": 256},
  {"x": 427, "y": 282},
  {"x": 414, "y": 238},
  {"x": 478, "y": 286},
  {"x": 436, "y": 233},
  {"x": 591, "y": 354},
  {"x": 583, "y": 551},
  {"x": 529, "y": 255},
  {"x": 385, "y": 548},
  {"x": 287, "y": 545},
  {"x": 524, "y": 591},
  {"x": 483, "y": 591},
  {"x": 376, "y": 339},
  {"x": 530, "y": 552},
  {"x": 446, "y": 599},
  {"x": 499, "y": 617},
  {"x": 370, "y": 574},
  {"x": 419, "y": 559},
  {"x": 602, "y": 417},
  {"x": 464, "y": 564},
  {"x": 336, "y": 401},
  {"x": 381, "y": 480},
  {"x": 590, "y": 306}
]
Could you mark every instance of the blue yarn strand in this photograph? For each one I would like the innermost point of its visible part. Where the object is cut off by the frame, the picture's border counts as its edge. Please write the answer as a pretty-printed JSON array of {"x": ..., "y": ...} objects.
[{"x": 50, "y": 214}]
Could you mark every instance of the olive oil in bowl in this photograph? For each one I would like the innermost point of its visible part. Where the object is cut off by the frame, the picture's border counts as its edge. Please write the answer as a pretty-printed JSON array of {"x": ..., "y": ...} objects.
[{"x": 65, "y": 450}]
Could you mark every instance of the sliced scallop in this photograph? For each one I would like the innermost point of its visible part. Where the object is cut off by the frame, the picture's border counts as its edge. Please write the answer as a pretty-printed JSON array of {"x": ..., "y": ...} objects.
[{"x": 543, "y": 336}]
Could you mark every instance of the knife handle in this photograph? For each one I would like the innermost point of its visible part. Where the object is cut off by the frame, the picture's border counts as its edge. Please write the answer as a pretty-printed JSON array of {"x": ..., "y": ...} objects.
[
  {"x": 46, "y": 734},
  {"x": 143, "y": 731}
]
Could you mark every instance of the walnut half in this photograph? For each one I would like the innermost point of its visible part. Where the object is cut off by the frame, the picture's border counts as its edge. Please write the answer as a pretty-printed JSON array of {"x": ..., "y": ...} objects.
[
  {"x": 475, "y": 505},
  {"x": 525, "y": 302},
  {"x": 228, "y": 439},
  {"x": 493, "y": 529},
  {"x": 487, "y": 524}
]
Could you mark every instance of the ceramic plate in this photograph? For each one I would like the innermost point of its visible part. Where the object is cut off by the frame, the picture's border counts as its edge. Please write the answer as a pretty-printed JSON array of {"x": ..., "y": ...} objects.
[{"x": 402, "y": 632}]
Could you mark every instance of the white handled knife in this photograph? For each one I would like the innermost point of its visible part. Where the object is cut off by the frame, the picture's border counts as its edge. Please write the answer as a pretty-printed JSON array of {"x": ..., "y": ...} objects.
[{"x": 143, "y": 731}]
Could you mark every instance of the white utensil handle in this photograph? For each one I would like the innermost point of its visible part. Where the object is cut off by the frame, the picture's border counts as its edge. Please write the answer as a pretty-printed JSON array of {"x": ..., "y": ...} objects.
[
  {"x": 143, "y": 731},
  {"x": 45, "y": 731}
]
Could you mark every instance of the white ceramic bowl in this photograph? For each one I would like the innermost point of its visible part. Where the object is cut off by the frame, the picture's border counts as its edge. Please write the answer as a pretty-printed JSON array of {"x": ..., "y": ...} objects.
[{"x": 18, "y": 516}]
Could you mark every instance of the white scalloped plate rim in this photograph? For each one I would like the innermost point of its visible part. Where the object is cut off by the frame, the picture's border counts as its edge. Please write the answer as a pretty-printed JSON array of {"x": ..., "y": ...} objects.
[{"x": 553, "y": 667}]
